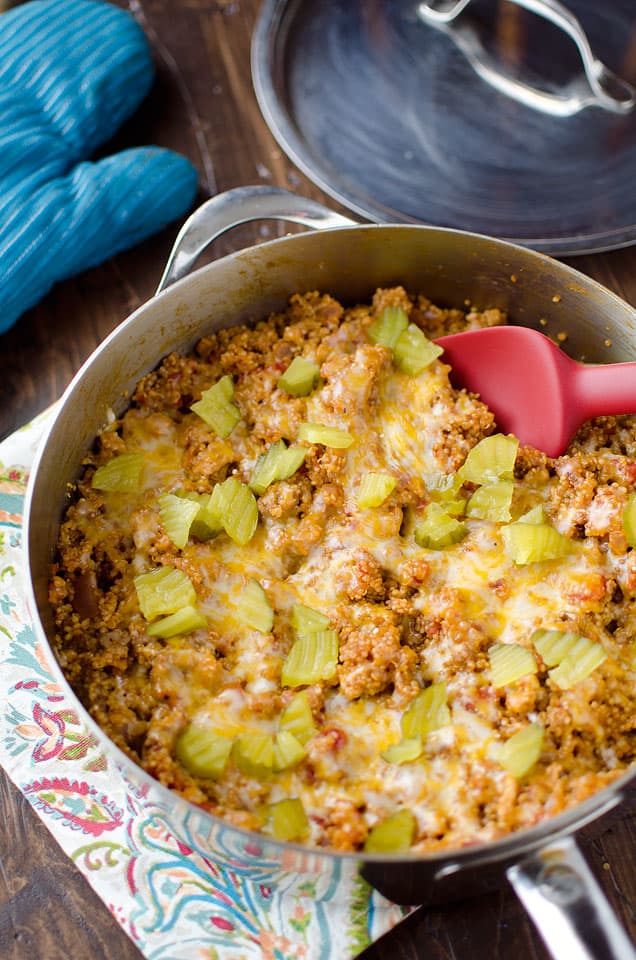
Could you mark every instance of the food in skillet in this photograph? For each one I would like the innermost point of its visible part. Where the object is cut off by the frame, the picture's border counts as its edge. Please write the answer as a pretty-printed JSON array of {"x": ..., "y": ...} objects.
[{"x": 305, "y": 583}]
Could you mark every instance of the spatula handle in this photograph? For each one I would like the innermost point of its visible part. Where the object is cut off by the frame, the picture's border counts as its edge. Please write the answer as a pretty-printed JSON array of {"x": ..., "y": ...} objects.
[{"x": 604, "y": 389}]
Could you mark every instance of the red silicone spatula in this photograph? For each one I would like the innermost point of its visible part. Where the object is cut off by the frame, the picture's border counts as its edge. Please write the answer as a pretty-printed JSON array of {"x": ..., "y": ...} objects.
[{"x": 534, "y": 389}]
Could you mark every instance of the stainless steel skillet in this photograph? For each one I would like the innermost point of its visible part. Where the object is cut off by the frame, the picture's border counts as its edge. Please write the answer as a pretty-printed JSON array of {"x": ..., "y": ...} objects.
[{"x": 350, "y": 261}]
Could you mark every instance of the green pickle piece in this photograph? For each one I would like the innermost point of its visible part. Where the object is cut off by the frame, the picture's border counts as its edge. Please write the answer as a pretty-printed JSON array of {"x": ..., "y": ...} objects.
[
  {"x": 535, "y": 515},
  {"x": 205, "y": 524},
  {"x": 394, "y": 834},
  {"x": 405, "y": 751},
  {"x": 290, "y": 460},
  {"x": 520, "y": 753},
  {"x": 491, "y": 502},
  {"x": 279, "y": 462},
  {"x": 288, "y": 751},
  {"x": 326, "y": 435},
  {"x": 300, "y": 377},
  {"x": 298, "y": 719},
  {"x": 253, "y": 754},
  {"x": 287, "y": 820},
  {"x": 184, "y": 620},
  {"x": 254, "y": 608},
  {"x": 163, "y": 591},
  {"x": 629, "y": 520},
  {"x": 203, "y": 752},
  {"x": 573, "y": 657},
  {"x": 312, "y": 658},
  {"x": 493, "y": 458},
  {"x": 438, "y": 529},
  {"x": 266, "y": 468},
  {"x": 122, "y": 474},
  {"x": 374, "y": 489},
  {"x": 510, "y": 662},
  {"x": 217, "y": 407},
  {"x": 553, "y": 645},
  {"x": 413, "y": 351},
  {"x": 585, "y": 656},
  {"x": 235, "y": 506},
  {"x": 427, "y": 712},
  {"x": 387, "y": 326},
  {"x": 454, "y": 508},
  {"x": 306, "y": 620},
  {"x": 177, "y": 515},
  {"x": 534, "y": 542},
  {"x": 444, "y": 486}
]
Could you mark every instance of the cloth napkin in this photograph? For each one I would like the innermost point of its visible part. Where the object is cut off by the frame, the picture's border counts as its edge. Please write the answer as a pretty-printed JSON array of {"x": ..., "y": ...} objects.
[
  {"x": 168, "y": 895},
  {"x": 71, "y": 72}
]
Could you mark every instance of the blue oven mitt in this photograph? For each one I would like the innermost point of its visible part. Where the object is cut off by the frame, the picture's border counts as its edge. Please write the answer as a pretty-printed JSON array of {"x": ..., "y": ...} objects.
[{"x": 71, "y": 71}]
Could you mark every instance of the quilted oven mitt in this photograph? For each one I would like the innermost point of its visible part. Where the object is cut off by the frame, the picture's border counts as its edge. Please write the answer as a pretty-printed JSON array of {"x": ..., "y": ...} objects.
[{"x": 71, "y": 71}]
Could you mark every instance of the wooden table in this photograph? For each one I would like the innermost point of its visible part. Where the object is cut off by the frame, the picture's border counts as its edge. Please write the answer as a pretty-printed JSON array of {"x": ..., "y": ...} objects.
[{"x": 203, "y": 105}]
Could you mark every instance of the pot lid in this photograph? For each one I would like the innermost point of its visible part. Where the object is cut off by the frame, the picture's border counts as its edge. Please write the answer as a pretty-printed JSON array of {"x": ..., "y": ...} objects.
[{"x": 474, "y": 114}]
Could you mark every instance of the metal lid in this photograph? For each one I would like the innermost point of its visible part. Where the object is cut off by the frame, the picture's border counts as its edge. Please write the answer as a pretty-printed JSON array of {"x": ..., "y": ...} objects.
[{"x": 474, "y": 114}]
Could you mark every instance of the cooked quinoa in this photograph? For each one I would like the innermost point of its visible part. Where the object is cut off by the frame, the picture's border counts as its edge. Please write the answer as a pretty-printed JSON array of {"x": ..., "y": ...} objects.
[{"x": 402, "y": 613}]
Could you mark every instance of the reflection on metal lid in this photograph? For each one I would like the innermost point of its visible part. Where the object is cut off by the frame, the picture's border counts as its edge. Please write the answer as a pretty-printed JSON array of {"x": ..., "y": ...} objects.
[{"x": 387, "y": 113}]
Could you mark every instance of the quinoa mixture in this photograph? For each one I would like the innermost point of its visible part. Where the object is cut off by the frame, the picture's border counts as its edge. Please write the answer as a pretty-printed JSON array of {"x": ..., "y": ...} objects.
[{"x": 364, "y": 636}]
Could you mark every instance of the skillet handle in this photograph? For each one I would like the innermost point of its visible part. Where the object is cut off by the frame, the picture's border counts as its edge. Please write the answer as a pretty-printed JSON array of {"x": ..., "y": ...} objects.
[
  {"x": 567, "y": 906},
  {"x": 241, "y": 205}
]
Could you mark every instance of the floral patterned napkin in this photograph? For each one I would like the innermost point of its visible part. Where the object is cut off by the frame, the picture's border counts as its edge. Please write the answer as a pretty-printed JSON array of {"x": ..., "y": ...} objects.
[{"x": 169, "y": 897}]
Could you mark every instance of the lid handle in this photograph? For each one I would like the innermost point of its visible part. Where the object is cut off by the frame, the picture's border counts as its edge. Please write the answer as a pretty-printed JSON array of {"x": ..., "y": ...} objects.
[{"x": 597, "y": 86}]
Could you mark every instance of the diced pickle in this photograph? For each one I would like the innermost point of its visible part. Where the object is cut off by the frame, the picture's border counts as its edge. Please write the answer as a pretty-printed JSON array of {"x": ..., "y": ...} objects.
[
  {"x": 536, "y": 515},
  {"x": 491, "y": 501},
  {"x": 394, "y": 834},
  {"x": 203, "y": 752},
  {"x": 235, "y": 506},
  {"x": 584, "y": 657},
  {"x": 287, "y": 820},
  {"x": 493, "y": 458},
  {"x": 162, "y": 591},
  {"x": 254, "y": 608},
  {"x": 328, "y": 436},
  {"x": 312, "y": 658},
  {"x": 413, "y": 351},
  {"x": 534, "y": 542},
  {"x": 520, "y": 753},
  {"x": 278, "y": 463},
  {"x": 253, "y": 754},
  {"x": 300, "y": 377},
  {"x": 297, "y": 718},
  {"x": 387, "y": 326},
  {"x": 454, "y": 508},
  {"x": 438, "y": 529},
  {"x": 206, "y": 524},
  {"x": 553, "y": 645},
  {"x": 306, "y": 620},
  {"x": 629, "y": 520},
  {"x": 184, "y": 620},
  {"x": 510, "y": 662},
  {"x": 405, "y": 751},
  {"x": 177, "y": 515},
  {"x": 266, "y": 468},
  {"x": 288, "y": 751},
  {"x": 122, "y": 474},
  {"x": 375, "y": 488},
  {"x": 444, "y": 486},
  {"x": 427, "y": 712},
  {"x": 217, "y": 408},
  {"x": 291, "y": 459}
]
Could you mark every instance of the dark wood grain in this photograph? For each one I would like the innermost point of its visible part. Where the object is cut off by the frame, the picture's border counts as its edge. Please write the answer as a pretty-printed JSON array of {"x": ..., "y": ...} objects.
[{"x": 203, "y": 105}]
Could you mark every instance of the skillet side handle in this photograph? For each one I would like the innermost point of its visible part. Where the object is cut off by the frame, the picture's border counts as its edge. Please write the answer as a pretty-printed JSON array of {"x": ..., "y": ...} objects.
[
  {"x": 241, "y": 205},
  {"x": 567, "y": 906}
]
